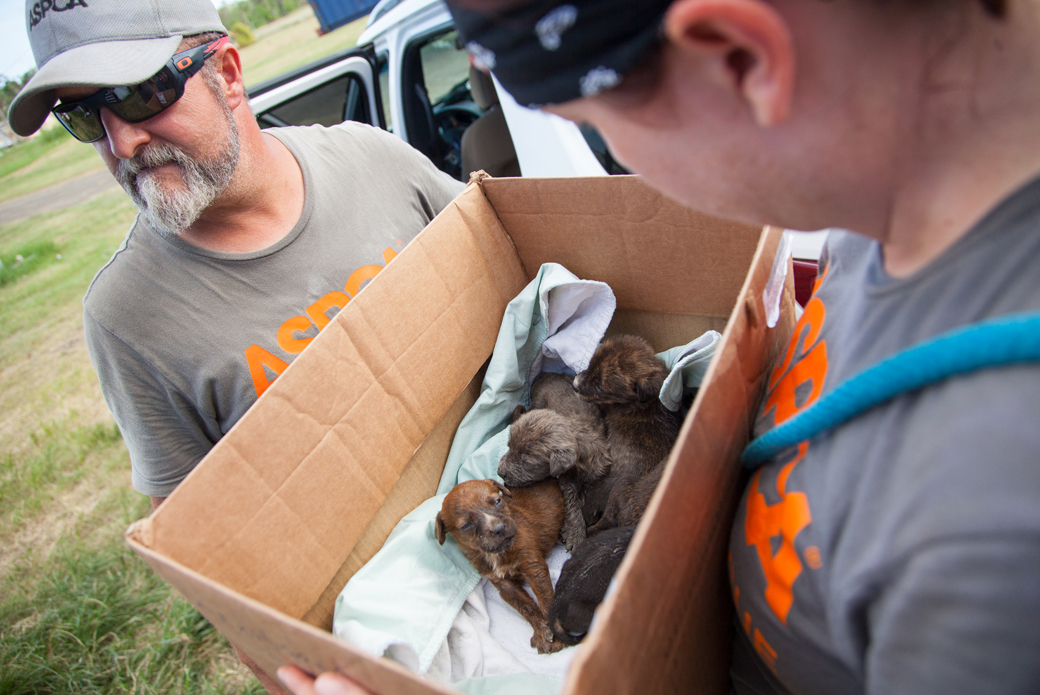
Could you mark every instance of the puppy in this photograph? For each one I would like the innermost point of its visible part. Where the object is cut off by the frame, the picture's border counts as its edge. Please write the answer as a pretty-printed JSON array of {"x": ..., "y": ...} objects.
[
  {"x": 583, "y": 583},
  {"x": 624, "y": 379},
  {"x": 506, "y": 535},
  {"x": 564, "y": 438}
]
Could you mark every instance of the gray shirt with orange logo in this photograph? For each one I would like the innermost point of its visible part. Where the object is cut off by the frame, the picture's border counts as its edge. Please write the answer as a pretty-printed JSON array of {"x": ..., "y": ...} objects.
[
  {"x": 184, "y": 339},
  {"x": 900, "y": 552}
]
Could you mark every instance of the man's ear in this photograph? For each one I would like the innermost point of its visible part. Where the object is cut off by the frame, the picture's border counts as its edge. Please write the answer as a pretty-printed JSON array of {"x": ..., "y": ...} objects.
[
  {"x": 229, "y": 67},
  {"x": 752, "y": 43},
  {"x": 439, "y": 529}
]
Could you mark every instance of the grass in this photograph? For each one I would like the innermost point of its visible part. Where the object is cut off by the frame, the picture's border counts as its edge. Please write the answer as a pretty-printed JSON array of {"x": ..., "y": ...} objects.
[
  {"x": 49, "y": 158},
  {"x": 95, "y": 619},
  {"x": 293, "y": 41},
  {"x": 79, "y": 612},
  {"x": 27, "y": 259},
  {"x": 14, "y": 158}
]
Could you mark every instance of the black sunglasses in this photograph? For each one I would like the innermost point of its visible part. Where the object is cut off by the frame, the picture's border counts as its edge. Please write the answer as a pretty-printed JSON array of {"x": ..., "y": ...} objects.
[{"x": 138, "y": 102}]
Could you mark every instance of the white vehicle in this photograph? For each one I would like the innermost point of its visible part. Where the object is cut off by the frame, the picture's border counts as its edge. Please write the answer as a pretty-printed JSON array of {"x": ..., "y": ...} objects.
[{"x": 410, "y": 76}]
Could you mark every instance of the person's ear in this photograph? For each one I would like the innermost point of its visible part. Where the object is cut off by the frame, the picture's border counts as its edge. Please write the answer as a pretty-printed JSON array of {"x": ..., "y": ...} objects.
[
  {"x": 229, "y": 67},
  {"x": 751, "y": 43}
]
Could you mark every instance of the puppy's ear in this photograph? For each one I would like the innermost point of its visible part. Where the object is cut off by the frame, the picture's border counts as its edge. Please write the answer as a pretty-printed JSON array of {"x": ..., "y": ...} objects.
[
  {"x": 439, "y": 529},
  {"x": 647, "y": 390},
  {"x": 518, "y": 411},
  {"x": 501, "y": 488},
  {"x": 561, "y": 461}
]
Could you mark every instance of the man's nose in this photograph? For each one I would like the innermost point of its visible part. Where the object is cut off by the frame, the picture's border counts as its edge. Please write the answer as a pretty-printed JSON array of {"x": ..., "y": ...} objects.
[{"x": 124, "y": 138}]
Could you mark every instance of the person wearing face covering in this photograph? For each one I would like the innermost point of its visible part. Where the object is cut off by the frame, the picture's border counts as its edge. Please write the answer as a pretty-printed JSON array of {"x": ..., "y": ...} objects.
[{"x": 898, "y": 551}]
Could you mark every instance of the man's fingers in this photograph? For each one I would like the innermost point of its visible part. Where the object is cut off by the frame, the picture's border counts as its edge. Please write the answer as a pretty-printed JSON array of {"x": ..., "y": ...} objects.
[
  {"x": 335, "y": 684},
  {"x": 296, "y": 680},
  {"x": 326, "y": 684}
]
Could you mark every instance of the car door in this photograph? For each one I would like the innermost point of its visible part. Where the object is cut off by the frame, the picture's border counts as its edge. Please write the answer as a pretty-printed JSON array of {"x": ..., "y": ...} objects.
[{"x": 340, "y": 87}]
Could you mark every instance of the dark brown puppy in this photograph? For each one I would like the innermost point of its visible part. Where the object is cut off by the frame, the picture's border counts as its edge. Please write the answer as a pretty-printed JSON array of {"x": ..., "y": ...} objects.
[
  {"x": 564, "y": 438},
  {"x": 506, "y": 535},
  {"x": 583, "y": 583},
  {"x": 624, "y": 379}
]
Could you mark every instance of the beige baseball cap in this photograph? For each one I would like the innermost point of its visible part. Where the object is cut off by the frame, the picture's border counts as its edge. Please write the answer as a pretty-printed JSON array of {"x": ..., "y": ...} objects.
[{"x": 101, "y": 43}]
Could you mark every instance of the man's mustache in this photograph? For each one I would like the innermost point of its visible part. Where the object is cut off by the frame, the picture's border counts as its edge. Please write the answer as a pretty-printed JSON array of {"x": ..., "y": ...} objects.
[{"x": 127, "y": 170}]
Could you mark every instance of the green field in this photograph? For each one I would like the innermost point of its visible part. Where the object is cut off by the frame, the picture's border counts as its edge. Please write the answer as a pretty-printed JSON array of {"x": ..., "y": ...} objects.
[{"x": 79, "y": 612}]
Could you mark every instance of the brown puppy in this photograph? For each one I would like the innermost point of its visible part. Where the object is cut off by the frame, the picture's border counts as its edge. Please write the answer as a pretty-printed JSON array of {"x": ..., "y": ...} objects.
[
  {"x": 506, "y": 535},
  {"x": 563, "y": 438},
  {"x": 624, "y": 379}
]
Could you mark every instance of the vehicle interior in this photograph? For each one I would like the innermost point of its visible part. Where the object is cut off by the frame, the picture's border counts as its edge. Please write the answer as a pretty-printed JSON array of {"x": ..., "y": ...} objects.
[{"x": 451, "y": 110}]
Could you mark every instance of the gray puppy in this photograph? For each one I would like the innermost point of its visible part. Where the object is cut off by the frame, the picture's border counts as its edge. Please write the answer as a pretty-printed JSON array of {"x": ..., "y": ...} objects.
[{"x": 563, "y": 437}]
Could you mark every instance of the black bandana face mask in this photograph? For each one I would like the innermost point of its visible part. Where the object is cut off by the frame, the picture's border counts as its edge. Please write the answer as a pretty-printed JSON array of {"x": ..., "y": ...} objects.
[{"x": 546, "y": 52}]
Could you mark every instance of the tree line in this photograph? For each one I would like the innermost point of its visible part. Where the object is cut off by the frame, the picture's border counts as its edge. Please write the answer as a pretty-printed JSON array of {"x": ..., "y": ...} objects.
[
  {"x": 10, "y": 87},
  {"x": 256, "y": 13}
]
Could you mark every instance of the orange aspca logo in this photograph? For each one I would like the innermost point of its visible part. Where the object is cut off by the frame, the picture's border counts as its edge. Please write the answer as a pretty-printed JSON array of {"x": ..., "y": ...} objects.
[
  {"x": 785, "y": 519},
  {"x": 810, "y": 367},
  {"x": 316, "y": 315}
]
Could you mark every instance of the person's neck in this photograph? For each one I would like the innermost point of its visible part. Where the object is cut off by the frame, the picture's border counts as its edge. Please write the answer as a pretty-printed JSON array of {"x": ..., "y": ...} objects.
[
  {"x": 977, "y": 142},
  {"x": 260, "y": 206}
]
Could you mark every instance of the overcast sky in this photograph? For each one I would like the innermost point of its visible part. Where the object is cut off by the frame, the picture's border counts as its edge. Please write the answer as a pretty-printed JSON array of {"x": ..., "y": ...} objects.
[{"x": 16, "y": 57}]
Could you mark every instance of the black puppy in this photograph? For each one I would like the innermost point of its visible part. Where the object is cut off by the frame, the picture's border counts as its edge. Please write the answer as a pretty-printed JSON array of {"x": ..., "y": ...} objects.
[
  {"x": 583, "y": 583},
  {"x": 624, "y": 379},
  {"x": 564, "y": 438}
]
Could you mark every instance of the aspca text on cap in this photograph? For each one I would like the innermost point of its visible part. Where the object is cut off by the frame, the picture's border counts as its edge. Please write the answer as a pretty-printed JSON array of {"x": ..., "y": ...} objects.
[{"x": 40, "y": 9}]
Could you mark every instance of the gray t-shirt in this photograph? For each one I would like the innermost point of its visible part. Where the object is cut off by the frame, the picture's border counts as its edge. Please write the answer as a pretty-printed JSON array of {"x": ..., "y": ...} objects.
[
  {"x": 184, "y": 339},
  {"x": 900, "y": 552}
]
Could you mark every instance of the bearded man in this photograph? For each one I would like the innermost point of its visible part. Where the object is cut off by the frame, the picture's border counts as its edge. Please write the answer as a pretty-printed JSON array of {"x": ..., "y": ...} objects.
[{"x": 246, "y": 243}]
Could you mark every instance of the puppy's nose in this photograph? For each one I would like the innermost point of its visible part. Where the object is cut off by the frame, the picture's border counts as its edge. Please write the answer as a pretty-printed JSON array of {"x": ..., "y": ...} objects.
[{"x": 498, "y": 530}]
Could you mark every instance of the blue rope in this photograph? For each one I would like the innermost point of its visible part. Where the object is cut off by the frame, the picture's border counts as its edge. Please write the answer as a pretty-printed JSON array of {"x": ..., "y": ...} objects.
[{"x": 1005, "y": 340}]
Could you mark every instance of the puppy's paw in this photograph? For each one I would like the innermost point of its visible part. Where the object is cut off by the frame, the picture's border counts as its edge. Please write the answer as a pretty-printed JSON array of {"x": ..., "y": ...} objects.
[
  {"x": 543, "y": 640},
  {"x": 552, "y": 647},
  {"x": 572, "y": 537}
]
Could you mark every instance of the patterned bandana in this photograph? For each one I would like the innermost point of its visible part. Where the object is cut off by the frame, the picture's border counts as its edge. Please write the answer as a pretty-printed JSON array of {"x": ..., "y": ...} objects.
[{"x": 549, "y": 52}]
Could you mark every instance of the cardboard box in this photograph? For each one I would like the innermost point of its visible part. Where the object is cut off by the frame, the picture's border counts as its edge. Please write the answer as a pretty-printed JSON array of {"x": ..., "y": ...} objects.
[{"x": 263, "y": 535}]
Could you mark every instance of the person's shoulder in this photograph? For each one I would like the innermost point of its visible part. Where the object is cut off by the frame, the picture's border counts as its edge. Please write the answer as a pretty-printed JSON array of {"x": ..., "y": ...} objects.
[
  {"x": 347, "y": 132},
  {"x": 110, "y": 286}
]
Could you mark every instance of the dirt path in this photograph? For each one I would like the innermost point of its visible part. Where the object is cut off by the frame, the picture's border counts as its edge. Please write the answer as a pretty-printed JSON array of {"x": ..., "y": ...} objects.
[{"x": 56, "y": 197}]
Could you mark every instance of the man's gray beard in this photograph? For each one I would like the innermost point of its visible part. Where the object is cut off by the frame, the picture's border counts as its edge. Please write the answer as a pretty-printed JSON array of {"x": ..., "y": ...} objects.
[{"x": 170, "y": 212}]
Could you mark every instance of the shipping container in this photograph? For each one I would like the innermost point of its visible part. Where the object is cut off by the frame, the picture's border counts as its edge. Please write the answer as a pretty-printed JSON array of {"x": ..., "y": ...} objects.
[{"x": 335, "y": 13}]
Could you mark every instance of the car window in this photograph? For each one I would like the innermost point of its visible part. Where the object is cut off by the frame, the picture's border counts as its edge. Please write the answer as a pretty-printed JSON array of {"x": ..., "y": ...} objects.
[
  {"x": 445, "y": 66},
  {"x": 384, "y": 92},
  {"x": 436, "y": 99},
  {"x": 342, "y": 99}
]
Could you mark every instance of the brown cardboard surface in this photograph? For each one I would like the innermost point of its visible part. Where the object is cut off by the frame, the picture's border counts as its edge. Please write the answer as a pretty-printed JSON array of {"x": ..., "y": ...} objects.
[{"x": 305, "y": 488}]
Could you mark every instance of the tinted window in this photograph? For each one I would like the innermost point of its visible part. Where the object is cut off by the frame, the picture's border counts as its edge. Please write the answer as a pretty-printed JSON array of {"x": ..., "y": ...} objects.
[
  {"x": 444, "y": 66},
  {"x": 342, "y": 99}
]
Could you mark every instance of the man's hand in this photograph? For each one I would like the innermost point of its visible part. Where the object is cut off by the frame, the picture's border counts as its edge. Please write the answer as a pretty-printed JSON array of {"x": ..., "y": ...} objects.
[{"x": 326, "y": 684}]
